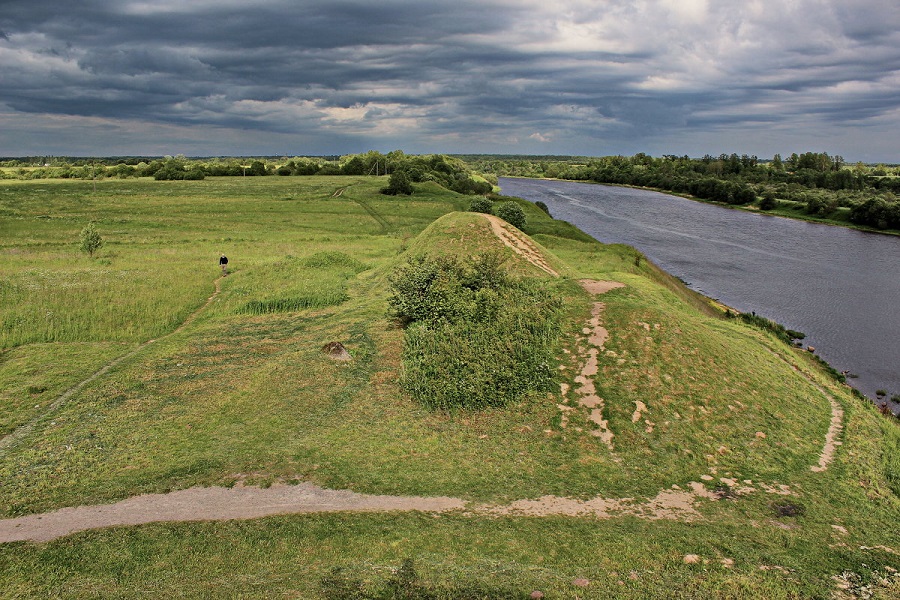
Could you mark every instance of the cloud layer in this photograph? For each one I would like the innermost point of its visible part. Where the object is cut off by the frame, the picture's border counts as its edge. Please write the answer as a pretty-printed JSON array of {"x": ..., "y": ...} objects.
[{"x": 503, "y": 76}]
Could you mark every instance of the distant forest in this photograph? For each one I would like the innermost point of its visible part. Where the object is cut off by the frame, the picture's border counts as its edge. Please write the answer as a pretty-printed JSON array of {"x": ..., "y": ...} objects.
[
  {"x": 809, "y": 185},
  {"x": 449, "y": 172}
]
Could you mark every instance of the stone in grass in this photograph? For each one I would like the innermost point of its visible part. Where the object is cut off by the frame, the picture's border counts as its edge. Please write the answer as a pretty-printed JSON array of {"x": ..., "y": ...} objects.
[
  {"x": 336, "y": 351},
  {"x": 536, "y": 595},
  {"x": 581, "y": 582}
]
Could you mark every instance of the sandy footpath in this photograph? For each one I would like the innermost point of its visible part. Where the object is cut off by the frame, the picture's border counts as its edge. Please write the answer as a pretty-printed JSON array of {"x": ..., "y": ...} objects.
[{"x": 210, "y": 504}]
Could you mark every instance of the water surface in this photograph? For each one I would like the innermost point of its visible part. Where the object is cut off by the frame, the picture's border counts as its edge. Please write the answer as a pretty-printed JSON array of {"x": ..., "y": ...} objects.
[{"x": 839, "y": 286}]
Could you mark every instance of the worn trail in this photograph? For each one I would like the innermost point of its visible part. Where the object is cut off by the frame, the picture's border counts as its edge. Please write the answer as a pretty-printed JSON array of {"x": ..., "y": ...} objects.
[
  {"x": 832, "y": 436},
  {"x": 23, "y": 431},
  {"x": 216, "y": 503}
]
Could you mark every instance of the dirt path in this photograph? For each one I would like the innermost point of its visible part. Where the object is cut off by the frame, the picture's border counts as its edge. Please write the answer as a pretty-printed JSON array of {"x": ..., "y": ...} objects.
[
  {"x": 519, "y": 243},
  {"x": 588, "y": 351},
  {"x": 216, "y": 504},
  {"x": 832, "y": 436},
  {"x": 22, "y": 431},
  {"x": 210, "y": 504}
]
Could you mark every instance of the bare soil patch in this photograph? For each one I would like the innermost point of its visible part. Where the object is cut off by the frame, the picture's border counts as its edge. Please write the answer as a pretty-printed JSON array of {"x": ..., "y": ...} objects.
[
  {"x": 519, "y": 243},
  {"x": 336, "y": 351},
  {"x": 588, "y": 351},
  {"x": 675, "y": 504},
  {"x": 242, "y": 502}
]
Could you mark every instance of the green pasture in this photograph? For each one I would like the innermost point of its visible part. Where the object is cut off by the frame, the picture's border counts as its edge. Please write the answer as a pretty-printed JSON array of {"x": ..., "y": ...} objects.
[{"x": 243, "y": 392}]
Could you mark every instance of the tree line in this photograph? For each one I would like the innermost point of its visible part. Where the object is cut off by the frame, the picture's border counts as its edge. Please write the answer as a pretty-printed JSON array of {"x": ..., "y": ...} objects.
[
  {"x": 449, "y": 172},
  {"x": 813, "y": 182}
]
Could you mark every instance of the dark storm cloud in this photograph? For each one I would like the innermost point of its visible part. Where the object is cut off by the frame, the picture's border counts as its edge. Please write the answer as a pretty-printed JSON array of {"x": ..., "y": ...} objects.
[{"x": 503, "y": 75}]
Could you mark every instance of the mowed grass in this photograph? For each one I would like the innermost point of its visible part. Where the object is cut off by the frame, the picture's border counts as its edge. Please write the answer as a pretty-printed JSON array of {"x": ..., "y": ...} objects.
[{"x": 244, "y": 393}]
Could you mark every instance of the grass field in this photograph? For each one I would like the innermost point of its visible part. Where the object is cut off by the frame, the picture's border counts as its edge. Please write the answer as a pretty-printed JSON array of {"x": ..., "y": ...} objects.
[{"x": 243, "y": 393}]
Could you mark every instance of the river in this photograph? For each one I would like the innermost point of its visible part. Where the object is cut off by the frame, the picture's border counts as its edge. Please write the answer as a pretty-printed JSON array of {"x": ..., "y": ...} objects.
[{"x": 839, "y": 286}]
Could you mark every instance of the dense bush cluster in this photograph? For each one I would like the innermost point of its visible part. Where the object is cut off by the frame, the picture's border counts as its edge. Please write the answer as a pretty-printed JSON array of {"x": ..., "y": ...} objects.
[
  {"x": 398, "y": 183},
  {"x": 513, "y": 214},
  {"x": 882, "y": 212},
  {"x": 474, "y": 337}
]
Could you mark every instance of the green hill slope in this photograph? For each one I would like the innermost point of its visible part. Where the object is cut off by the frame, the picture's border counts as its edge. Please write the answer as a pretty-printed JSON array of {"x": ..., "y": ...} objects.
[{"x": 683, "y": 454}]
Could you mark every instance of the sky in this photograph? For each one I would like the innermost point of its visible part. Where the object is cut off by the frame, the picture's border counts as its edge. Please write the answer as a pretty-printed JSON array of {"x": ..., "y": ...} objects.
[{"x": 574, "y": 77}]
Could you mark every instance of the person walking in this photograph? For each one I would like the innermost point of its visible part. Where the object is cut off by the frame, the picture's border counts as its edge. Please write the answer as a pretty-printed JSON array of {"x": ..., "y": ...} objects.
[{"x": 223, "y": 262}]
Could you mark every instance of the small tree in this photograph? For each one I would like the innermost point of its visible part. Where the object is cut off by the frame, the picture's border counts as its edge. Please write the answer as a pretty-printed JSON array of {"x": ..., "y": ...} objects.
[
  {"x": 90, "y": 239},
  {"x": 513, "y": 214}
]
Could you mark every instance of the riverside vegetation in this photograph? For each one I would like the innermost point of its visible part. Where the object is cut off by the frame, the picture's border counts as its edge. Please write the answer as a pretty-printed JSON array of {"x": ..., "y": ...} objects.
[
  {"x": 241, "y": 394},
  {"x": 811, "y": 186}
]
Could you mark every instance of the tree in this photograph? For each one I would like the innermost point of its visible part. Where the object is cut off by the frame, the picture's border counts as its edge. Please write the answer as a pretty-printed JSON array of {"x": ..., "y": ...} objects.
[
  {"x": 90, "y": 239},
  {"x": 398, "y": 184}
]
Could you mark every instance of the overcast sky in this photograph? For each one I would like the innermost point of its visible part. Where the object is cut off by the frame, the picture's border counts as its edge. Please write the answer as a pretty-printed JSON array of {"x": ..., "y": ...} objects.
[{"x": 279, "y": 77}]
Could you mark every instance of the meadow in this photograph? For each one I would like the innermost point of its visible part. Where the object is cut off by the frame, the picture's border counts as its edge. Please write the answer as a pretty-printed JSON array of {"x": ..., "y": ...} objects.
[{"x": 222, "y": 382}]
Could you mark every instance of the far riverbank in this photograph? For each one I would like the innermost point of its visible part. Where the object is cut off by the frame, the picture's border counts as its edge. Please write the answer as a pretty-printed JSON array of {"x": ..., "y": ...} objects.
[{"x": 785, "y": 208}]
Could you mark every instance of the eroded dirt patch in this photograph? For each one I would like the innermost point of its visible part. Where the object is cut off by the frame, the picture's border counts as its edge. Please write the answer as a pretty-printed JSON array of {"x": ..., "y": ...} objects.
[
  {"x": 674, "y": 504},
  {"x": 519, "y": 243},
  {"x": 588, "y": 350}
]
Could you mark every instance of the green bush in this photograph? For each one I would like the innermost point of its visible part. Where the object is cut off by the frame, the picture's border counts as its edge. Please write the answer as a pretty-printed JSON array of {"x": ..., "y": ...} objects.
[
  {"x": 90, "y": 239},
  {"x": 768, "y": 201},
  {"x": 513, "y": 214},
  {"x": 482, "y": 205},
  {"x": 543, "y": 206},
  {"x": 475, "y": 338}
]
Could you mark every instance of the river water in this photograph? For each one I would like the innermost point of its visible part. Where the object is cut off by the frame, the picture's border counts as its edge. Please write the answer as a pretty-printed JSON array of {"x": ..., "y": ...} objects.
[{"x": 839, "y": 286}]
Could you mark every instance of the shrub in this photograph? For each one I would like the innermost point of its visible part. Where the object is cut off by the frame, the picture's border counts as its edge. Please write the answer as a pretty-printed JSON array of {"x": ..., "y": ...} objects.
[
  {"x": 482, "y": 205},
  {"x": 90, "y": 239},
  {"x": 768, "y": 201},
  {"x": 881, "y": 393},
  {"x": 541, "y": 205},
  {"x": 474, "y": 337},
  {"x": 513, "y": 214}
]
